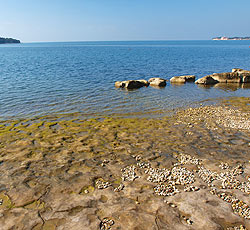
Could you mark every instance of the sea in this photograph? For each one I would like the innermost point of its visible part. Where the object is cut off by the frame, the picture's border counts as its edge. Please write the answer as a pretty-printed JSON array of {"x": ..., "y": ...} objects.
[{"x": 38, "y": 79}]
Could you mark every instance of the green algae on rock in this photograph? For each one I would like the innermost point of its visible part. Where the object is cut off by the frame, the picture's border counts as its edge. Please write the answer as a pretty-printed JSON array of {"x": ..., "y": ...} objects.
[{"x": 70, "y": 172}]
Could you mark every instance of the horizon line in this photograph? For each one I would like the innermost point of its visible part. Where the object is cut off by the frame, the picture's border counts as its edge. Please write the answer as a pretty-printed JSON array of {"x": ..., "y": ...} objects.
[{"x": 118, "y": 40}]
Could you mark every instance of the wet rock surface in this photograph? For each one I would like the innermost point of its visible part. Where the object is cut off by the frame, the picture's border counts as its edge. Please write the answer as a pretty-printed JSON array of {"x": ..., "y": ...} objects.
[
  {"x": 186, "y": 171},
  {"x": 182, "y": 79},
  {"x": 131, "y": 84},
  {"x": 236, "y": 76},
  {"x": 156, "y": 81}
]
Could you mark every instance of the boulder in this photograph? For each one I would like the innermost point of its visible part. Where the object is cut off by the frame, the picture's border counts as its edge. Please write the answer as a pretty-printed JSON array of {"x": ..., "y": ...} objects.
[
  {"x": 120, "y": 84},
  {"x": 236, "y": 76},
  {"x": 131, "y": 84},
  {"x": 177, "y": 80},
  {"x": 227, "y": 77},
  {"x": 237, "y": 70},
  {"x": 182, "y": 79},
  {"x": 145, "y": 82},
  {"x": 243, "y": 74},
  {"x": 245, "y": 77},
  {"x": 156, "y": 81},
  {"x": 207, "y": 80}
]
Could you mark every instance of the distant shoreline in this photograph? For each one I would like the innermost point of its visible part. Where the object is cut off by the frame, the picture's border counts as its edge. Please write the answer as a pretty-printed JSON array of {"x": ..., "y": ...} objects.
[
  {"x": 231, "y": 38},
  {"x": 9, "y": 41}
]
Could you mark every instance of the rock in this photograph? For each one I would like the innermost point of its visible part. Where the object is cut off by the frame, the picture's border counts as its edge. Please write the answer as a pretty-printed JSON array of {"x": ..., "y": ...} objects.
[
  {"x": 157, "y": 82},
  {"x": 119, "y": 84},
  {"x": 131, "y": 84},
  {"x": 227, "y": 77},
  {"x": 177, "y": 80},
  {"x": 243, "y": 74},
  {"x": 207, "y": 80},
  {"x": 182, "y": 79},
  {"x": 145, "y": 82},
  {"x": 245, "y": 77},
  {"x": 236, "y": 76},
  {"x": 237, "y": 70}
]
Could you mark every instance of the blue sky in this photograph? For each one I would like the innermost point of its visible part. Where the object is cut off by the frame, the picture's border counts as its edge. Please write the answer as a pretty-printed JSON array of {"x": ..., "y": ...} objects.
[{"x": 108, "y": 20}]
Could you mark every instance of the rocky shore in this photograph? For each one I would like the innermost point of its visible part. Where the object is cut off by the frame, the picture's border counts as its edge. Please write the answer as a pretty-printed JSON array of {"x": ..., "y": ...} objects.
[{"x": 189, "y": 170}]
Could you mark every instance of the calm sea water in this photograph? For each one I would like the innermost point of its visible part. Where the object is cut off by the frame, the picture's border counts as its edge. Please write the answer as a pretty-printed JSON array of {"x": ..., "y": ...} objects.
[{"x": 46, "y": 78}]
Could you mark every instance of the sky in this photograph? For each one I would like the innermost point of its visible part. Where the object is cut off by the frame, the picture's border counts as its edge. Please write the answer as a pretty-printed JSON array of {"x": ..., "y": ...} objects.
[{"x": 123, "y": 20}]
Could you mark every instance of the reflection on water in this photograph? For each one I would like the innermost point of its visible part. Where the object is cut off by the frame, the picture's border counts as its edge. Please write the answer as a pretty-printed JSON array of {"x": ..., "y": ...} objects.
[{"x": 226, "y": 86}]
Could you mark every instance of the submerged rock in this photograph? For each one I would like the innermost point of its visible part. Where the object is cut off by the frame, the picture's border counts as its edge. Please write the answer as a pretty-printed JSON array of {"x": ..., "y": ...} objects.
[
  {"x": 182, "y": 79},
  {"x": 156, "y": 81}
]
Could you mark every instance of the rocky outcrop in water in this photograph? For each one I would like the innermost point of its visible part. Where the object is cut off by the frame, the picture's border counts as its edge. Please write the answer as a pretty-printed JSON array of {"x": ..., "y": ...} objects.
[
  {"x": 182, "y": 79},
  {"x": 236, "y": 76},
  {"x": 8, "y": 40}
]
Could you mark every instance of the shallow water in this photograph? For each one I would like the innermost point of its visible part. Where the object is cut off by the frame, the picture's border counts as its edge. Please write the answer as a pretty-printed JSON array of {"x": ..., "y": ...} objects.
[{"x": 47, "y": 78}]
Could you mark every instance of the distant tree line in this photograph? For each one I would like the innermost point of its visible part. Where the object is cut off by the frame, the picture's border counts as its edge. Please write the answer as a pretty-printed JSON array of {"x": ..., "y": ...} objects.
[{"x": 8, "y": 40}]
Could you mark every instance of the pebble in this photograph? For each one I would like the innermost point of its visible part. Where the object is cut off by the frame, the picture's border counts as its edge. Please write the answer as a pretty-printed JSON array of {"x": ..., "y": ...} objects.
[
  {"x": 106, "y": 224},
  {"x": 187, "y": 159},
  {"x": 191, "y": 188},
  {"x": 143, "y": 165},
  {"x": 119, "y": 188},
  {"x": 165, "y": 189},
  {"x": 181, "y": 176},
  {"x": 104, "y": 162},
  {"x": 100, "y": 184},
  {"x": 129, "y": 174},
  {"x": 157, "y": 175},
  {"x": 224, "y": 165},
  {"x": 241, "y": 227}
]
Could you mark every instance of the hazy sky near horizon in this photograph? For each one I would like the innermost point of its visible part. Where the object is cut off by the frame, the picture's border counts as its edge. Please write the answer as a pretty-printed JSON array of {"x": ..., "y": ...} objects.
[{"x": 109, "y": 20}]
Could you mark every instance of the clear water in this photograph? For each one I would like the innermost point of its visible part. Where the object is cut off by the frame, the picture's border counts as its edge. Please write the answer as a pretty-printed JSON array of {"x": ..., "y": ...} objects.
[{"x": 46, "y": 78}]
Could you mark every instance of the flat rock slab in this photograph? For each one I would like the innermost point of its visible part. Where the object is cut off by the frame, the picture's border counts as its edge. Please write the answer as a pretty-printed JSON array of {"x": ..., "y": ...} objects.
[{"x": 186, "y": 171}]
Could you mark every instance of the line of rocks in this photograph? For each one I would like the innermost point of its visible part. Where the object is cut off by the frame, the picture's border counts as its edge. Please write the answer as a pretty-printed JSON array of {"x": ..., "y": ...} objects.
[{"x": 236, "y": 76}]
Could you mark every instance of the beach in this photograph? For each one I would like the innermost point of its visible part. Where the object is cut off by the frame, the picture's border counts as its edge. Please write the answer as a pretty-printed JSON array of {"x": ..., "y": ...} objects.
[{"x": 186, "y": 170}]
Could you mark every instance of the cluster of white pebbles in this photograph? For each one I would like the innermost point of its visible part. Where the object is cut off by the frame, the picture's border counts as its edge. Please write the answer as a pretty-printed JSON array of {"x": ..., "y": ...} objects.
[
  {"x": 100, "y": 184},
  {"x": 106, "y": 224},
  {"x": 171, "y": 181}
]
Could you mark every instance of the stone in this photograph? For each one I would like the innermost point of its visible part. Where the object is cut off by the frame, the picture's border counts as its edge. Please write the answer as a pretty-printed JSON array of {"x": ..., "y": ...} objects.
[
  {"x": 243, "y": 74},
  {"x": 182, "y": 79},
  {"x": 157, "y": 82},
  {"x": 178, "y": 80},
  {"x": 245, "y": 77},
  {"x": 207, "y": 80},
  {"x": 131, "y": 84},
  {"x": 237, "y": 70},
  {"x": 227, "y": 77},
  {"x": 236, "y": 76},
  {"x": 145, "y": 82}
]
